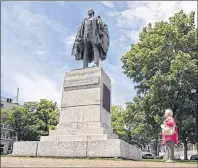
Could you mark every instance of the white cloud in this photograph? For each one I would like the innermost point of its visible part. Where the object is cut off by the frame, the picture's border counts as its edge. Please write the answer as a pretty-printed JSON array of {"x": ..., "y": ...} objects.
[
  {"x": 69, "y": 41},
  {"x": 37, "y": 87},
  {"x": 122, "y": 87},
  {"x": 31, "y": 62},
  {"x": 26, "y": 60},
  {"x": 28, "y": 76},
  {"x": 140, "y": 13},
  {"x": 33, "y": 29},
  {"x": 153, "y": 11},
  {"x": 109, "y": 4},
  {"x": 68, "y": 44},
  {"x": 130, "y": 22}
]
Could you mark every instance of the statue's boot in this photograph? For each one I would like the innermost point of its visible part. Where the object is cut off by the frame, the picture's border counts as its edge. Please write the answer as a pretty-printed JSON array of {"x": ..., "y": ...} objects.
[{"x": 95, "y": 65}]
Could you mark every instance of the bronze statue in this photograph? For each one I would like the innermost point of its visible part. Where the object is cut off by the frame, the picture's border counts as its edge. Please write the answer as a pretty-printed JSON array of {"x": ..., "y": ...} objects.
[{"x": 92, "y": 40}]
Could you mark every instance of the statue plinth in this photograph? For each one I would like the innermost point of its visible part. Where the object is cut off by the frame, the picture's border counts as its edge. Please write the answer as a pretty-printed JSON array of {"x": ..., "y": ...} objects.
[{"x": 84, "y": 128}]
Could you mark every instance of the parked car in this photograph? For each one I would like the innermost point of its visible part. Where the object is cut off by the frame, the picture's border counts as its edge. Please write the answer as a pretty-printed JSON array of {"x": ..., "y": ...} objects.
[
  {"x": 147, "y": 156},
  {"x": 194, "y": 157}
]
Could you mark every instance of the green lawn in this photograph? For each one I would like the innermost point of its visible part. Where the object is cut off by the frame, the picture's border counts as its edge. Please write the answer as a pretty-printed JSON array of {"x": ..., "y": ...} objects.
[{"x": 176, "y": 161}]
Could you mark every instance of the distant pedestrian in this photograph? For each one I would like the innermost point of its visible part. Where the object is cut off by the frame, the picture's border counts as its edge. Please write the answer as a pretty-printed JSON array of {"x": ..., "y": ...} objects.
[{"x": 169, "y": 133}]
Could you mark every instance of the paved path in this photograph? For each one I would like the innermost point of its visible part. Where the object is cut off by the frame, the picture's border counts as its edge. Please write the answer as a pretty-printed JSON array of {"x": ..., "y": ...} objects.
[{"x": 54, "y": 162}]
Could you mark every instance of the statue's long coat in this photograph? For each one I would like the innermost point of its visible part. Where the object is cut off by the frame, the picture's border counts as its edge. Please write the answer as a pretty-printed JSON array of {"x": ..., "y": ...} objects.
[{"x": 101, "y": 41}]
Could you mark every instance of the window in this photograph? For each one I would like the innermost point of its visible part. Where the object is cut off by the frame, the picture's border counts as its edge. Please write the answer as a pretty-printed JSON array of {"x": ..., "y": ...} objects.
[
  {"x": 2, "y": 146},
  {"x": 148, "y": 155},
  {"x": 10, "y": 147},
  {"x": 1, "y": 150},
  {"x": 2, "y": 105},
  {"x": 9, "y": 100}
]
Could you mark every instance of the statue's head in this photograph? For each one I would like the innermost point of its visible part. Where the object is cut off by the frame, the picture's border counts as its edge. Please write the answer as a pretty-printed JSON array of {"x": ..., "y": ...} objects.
[{"x": 90, "y": 12}]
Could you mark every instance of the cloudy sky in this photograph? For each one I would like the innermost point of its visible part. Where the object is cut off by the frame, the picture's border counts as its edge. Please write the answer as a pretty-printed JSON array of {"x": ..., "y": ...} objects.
[{"x": 36, "y": 41}]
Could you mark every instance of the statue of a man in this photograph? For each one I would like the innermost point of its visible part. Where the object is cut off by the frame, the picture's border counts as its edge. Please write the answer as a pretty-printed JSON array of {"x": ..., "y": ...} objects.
[{"x": 92, "y": 40}]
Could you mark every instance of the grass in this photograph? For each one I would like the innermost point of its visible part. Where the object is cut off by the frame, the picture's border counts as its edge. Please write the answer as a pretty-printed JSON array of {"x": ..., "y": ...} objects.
[{"x": 176, "y": 161}]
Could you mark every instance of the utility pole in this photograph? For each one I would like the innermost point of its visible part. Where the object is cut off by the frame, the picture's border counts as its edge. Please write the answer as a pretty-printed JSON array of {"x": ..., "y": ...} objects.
[{"x": 17, "y": 97}]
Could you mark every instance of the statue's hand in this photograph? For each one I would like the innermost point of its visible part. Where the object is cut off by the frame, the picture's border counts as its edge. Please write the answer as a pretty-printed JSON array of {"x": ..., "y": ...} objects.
[{"x": 99, "y": 33}]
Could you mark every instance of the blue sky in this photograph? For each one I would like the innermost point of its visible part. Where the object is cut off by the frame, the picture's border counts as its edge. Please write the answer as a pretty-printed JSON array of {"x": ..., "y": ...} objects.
[{"x": 37, "y": 37}]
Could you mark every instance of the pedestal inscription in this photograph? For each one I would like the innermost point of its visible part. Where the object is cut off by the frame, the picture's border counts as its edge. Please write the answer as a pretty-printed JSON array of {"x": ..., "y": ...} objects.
[{"x": 82, "y": 81}]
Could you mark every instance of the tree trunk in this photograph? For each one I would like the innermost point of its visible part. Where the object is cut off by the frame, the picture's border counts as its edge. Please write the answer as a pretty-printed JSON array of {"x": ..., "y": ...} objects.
[
  {"x": 129, "y": 137},
  {"x": 185, "y": 151},
  {"x": 19, "y": 136},
  {"x": 156, "y": 144}
]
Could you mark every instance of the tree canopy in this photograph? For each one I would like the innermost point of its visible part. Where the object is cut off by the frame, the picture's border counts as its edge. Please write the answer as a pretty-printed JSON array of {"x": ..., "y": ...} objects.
[
  {"x": 163, "y": 64},
  {"x": 31, "y": 120}
]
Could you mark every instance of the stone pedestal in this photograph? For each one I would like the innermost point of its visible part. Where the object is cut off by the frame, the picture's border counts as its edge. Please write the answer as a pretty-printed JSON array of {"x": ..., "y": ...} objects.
[{"x": 84, "y": 128}]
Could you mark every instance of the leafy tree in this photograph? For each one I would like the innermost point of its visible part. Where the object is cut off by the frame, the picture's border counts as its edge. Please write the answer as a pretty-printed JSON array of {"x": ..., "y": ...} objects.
[
  {"x": 164, "y": 65},
  {"x": 47, "y": 114},
  {"x": 127, "y": 125},
  {"x": 22, "y": 122},
  {"x": 118, "y": 120},
  {"x": 4, "y": 116},
  {"x": 32, "y": 120}
]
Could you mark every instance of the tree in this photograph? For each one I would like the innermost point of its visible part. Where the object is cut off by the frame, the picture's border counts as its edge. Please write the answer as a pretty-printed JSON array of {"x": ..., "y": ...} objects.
[
  {"x": 164, "y": 65},
  {"x": 127, "y": 125},
  {"x": 4, "y": 116},
  {"x": 47, "y": 114},
  {"x": 32, "y": 120},
  {"x": 22, "y": 122},
  {"x": 117, "y": 119}
]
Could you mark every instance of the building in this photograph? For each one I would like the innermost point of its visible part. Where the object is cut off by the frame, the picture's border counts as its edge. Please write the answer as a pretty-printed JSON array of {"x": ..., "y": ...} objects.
[
  {"x": 8, "y": 136},
  {"x": 7, "y": 103}
]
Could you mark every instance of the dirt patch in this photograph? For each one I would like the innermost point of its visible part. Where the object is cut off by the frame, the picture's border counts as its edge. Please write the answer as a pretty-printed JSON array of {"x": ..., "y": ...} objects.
[{"x": 8, "y": 161}]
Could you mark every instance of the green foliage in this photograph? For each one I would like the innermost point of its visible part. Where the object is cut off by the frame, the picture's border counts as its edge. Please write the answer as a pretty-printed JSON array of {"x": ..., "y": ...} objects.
[
  {"x": 118, "y": 115},
  {"x": 32, "y": 120},
  {"x": 127, "y": 124},
  {"x": 22, "y": 122},
  {"x": 4, "y": 116},
  {"x": 164, "y": 65},
  {"x": 47, "y": 114}
]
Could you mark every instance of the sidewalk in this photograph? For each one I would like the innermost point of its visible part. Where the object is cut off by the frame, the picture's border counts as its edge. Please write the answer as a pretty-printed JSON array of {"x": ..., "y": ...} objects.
[{"x": 55, "y": 162}]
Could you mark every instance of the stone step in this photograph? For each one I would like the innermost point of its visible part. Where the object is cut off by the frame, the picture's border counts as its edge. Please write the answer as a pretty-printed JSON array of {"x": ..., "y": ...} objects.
[
  {"x": 71, "y": 132},
  {"x": 110, "y": 148},
  {"x": 76, "y": 138}
]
